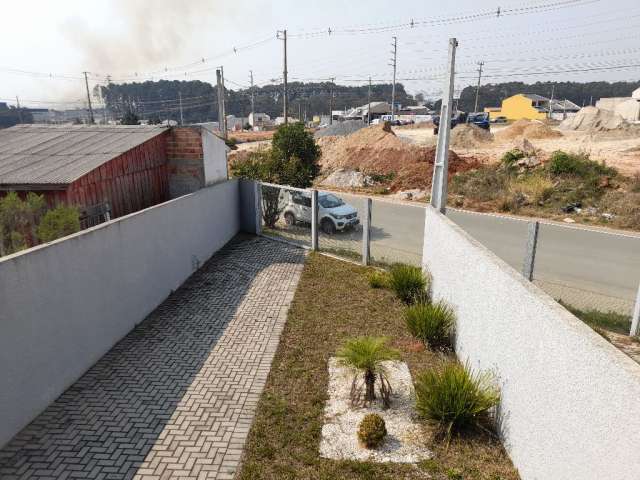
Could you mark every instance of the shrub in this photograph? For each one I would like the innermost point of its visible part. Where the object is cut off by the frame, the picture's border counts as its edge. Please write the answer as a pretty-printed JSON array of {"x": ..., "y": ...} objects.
[
  {"x": 563, "y": 163},
  {"x": 366, "y": 354},
  {"x": 409, "y": 283},
  {"x": 433, "y": 323},
  {"x": 455, "y": 398},
  {"x": 372, "y": 430},
  {"x": 59, "y": 222},
  {"x": 483, "y": 184},
  {"x": 378, "y": 279},
  {"x": 512, "y": 156}
]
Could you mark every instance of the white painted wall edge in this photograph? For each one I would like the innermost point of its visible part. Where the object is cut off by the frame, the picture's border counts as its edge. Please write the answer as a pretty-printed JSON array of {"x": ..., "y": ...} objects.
[
  {"x": 66, "y": 303},
  {"x": 567, "y": 394}
]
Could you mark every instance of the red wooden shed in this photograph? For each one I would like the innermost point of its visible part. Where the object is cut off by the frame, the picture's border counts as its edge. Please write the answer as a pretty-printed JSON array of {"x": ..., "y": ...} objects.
[{"x": 85, "y": 166}]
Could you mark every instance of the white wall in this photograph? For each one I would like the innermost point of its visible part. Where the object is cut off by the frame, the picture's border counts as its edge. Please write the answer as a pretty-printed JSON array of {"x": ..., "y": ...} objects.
[
  {"x": 214, "y": 152},
  {"x": 65, "y": 304},
  {"x": 569, "y": 398}
]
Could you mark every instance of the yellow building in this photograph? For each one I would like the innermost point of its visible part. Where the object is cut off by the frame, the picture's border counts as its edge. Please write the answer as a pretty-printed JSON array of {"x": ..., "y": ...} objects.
[{"x": 522, "y": 105}]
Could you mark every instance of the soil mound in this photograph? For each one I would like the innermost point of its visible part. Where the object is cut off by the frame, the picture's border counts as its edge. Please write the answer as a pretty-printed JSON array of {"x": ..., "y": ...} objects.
[
  {"x": 469, "y": 136},
  {"x": 377, "y": 150},
  {"x": 527, "y": 129},
  {"x": 593, "y": 119}
]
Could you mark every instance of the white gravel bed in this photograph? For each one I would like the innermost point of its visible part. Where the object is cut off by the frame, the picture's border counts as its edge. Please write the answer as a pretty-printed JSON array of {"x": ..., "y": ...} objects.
[{"x": 405, "y": 441}]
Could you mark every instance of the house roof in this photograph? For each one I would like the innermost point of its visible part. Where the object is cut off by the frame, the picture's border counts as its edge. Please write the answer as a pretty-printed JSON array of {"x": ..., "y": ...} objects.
[
  {"x": 60, "y": 154},
  {"x": 535, "y": 97}
]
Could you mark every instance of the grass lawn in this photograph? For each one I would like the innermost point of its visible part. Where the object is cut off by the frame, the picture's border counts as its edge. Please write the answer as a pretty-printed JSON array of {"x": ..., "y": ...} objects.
[
  {"x": 612, "y": 321},
  {"x": 334, "y": 302}
]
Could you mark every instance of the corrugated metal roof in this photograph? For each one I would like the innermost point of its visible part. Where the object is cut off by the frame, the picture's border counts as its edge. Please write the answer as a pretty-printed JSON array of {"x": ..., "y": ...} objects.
[
  {"x": 536, "y": 97},
  {"x": 60, "y": 154}
]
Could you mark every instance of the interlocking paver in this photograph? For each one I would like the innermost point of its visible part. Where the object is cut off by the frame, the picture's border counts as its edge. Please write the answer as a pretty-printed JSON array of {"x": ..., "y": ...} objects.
[{"x": 175, "y": 398}]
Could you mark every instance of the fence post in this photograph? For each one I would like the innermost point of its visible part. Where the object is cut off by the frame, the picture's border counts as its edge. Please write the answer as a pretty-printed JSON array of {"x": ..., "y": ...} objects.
[
  {"x": 107, "y": 212},
  {"x": 314, "y": 220},
  {"x": 257, "y": 196},
  {"x": 366, "y": 233},
  {"x": 635, "y": 320},
  {"x": 530, "y": 256}
]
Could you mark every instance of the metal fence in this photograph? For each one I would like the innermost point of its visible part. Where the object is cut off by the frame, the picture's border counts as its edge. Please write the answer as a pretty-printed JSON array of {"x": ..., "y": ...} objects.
[{"x": 591, "y": 269}]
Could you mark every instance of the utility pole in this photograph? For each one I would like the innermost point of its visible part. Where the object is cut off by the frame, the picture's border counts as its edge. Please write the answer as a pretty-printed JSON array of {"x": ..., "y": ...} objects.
[
  {"x": 299, "y": 110},
  {"x": 369, "y": 103},
  {"x": 221, "y": 119},
  {"x": 284, "y": 75},
  {"x": 480, "y": 65},
  {"x": 393, "y": 63},
  {"x": 252, "y": 99},
  {"x": 553, "y": 89},
  {"x": 441, "y": 163},
  {"x": 332, "y": 79},
  {"x": 19, "y": 109},
  {"x": 86, "y": 82},
  {"x": 181, "y": 117}
]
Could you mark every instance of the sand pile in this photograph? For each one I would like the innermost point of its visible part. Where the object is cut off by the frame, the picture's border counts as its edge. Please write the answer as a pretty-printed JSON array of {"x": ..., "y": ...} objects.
[
  {"x": 593, "y": 119},
  {"x": 376, "y": 150},
  {"x": 469, "y": 136},
  {"x": 527, "y": 129}
]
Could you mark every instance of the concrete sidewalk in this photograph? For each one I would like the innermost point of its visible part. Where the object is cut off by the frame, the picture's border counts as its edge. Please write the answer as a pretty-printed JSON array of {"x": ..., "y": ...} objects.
[{"x": 176, "y": 397}]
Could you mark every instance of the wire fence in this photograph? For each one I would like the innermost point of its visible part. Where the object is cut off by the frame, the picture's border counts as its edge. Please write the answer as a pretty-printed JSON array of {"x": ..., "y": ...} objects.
[{"x": 589, "y": 269}]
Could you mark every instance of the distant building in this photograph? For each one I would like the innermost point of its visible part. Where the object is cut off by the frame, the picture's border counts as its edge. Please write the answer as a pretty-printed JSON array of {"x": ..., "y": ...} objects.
[
  {"x": 532, "y": 107},
  {"x": 128, "y": 167},
  {"x": 627, "y": 107},
  {"x": 259, "y": 120}
]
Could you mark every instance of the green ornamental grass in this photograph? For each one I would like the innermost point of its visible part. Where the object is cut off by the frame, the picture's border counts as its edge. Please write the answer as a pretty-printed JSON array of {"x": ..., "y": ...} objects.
[
  {"x": 433, "y": 323},
  {"x": 409, "y": 283},
  {"x": 455, "y": 398}
]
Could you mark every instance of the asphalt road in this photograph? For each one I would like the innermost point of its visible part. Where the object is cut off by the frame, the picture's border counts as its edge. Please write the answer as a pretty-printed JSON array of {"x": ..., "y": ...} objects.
[{"x": 590, "y": 267}]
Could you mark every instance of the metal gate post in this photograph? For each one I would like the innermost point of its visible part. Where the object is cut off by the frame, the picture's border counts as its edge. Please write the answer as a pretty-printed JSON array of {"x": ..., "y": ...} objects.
[
  {"x": 257, "y": 196},
  {"x": 635, "y": 320},
  {"x": 366, "y": 232},
  {"x": 530, "y": 256},
  {"x": 314, "y": 220}
]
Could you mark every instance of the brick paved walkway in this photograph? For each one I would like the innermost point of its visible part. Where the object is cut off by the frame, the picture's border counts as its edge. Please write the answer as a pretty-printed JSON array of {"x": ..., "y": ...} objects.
[{"x": 176, "y": 397}]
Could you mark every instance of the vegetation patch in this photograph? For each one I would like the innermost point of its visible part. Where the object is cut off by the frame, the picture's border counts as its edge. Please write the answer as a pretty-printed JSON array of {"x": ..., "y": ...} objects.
[
  {"x": 611, "y": 321},
  {"x": 455, "y": 398},
  {"x": 372, "y": 430},
  {"x": 334, "y": 303},
  {"x": 432, "y": 323},
  {"x": 409, "y": 283}
]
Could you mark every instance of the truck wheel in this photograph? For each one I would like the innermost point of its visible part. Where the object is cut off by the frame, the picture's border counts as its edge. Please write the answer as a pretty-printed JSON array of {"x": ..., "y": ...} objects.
[
  {"x": 289, "y": 219},
  {"x": 328, "y": 227}
]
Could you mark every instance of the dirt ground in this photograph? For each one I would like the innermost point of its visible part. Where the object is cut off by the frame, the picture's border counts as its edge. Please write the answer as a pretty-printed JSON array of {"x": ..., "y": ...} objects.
[{"x": 619, "y": 150}]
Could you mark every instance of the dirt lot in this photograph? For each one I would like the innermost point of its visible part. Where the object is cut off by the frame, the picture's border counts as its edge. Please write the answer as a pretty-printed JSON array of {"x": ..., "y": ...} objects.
[{"x": 617, "y": 149}]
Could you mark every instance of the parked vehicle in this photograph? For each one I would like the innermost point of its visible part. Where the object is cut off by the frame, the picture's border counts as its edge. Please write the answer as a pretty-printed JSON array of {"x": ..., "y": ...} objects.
[
  {"x": 479, "y": 120},
  {"x": 456, "y": 119},
  {"x": 499, "y": 120},
  {"x": 334, "y": 214}
]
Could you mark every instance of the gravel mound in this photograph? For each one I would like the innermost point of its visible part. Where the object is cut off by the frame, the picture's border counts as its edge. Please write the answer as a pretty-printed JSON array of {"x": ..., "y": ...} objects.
[
  {"x": 469, "y": 136},
  {"x": 340, "y": 129},
  {"x": 345, "y": 178},
  {"x": 593, "y": 119}
]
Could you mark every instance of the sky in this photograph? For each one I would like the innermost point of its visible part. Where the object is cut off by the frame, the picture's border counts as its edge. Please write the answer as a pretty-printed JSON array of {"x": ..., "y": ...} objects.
[{"x": 48, "y": 45}]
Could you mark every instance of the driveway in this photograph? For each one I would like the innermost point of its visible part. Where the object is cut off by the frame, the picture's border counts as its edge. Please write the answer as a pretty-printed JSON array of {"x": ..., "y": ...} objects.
[{"x": 176, "y": 397}]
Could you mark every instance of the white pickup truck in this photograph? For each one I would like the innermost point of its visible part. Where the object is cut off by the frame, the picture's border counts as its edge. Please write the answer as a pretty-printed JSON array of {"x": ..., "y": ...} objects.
[{"x": 333, "y": 213}]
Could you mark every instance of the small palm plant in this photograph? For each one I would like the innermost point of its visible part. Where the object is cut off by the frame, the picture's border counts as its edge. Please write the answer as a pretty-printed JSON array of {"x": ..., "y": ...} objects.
[{"x": 365, "y": 355}]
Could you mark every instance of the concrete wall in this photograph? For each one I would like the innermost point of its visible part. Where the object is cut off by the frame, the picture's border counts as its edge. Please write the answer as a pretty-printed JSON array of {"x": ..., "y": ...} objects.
[
  {"x": 65, "y": 304},
  {"x": 215, "y": 157},
  {"x": 569, "y": 397}
]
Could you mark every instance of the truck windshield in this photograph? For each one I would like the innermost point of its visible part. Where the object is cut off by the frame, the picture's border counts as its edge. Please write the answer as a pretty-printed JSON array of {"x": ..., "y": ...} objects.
[{"x": 330, "y": 201}]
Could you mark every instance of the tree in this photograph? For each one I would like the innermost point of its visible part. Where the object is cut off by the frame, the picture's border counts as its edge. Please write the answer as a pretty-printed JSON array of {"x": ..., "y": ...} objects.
[
  {"x": 59, "y": 222},
  {"x": 291, "y": 160},
  {"x": 130, "y": 118}
]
